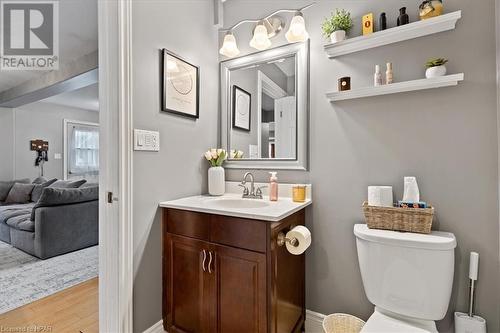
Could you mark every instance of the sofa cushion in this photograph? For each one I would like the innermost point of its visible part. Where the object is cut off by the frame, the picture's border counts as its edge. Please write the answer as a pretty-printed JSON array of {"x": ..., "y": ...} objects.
[
  {"x": 6, "y": 186},
  {"x": 68, "y": 183},
  {"x": 22, "y": 222},
  {"x": 8, "y": 211},
  {"x": 20, "y": 193},
  {"x": 65, "y": 196},
  {"x": 89, "y": 185},
  {"x": 37, "y": 190}
]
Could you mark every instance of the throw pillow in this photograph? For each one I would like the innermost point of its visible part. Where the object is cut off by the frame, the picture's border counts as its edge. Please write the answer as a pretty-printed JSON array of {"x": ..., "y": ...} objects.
[
  {"x": 20, "y": 193},
  {"x": 6, "y": 186},
  {"x": 37, "y": 190},
  {"x": 65, "y": 196},
  {"x": 39, "y": 180},
  {"x": 68, "y": 183}
]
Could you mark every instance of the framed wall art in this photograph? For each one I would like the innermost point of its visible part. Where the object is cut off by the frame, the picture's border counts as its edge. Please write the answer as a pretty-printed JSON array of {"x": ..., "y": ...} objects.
[
  {"x": 181, "y": 86},
  {"x": 241, "y": 109}
]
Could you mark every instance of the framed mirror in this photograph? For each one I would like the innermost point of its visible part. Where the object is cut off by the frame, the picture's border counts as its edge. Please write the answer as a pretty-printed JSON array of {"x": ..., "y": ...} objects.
[{"x": 265, "y": 109}]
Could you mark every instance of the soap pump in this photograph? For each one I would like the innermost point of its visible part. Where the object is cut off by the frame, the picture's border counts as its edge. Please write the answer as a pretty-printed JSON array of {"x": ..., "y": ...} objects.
[{"x": 273, "y": 186}]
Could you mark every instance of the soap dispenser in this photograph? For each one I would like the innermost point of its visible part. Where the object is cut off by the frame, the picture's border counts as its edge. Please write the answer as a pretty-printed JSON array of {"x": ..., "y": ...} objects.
[{"x": 273, "y": 186}]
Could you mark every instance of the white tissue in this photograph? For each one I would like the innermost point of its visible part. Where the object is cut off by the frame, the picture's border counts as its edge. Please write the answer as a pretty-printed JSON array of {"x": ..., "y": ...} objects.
[
  {"x": 411, "y": 192},
  {"x": 303, "y": 235}
]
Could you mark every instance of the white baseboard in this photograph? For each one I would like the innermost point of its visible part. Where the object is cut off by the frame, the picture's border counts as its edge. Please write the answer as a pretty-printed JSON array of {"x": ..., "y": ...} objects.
[
  {"x": 314, "y": 324},
  {"x": 156, "y": 328}
]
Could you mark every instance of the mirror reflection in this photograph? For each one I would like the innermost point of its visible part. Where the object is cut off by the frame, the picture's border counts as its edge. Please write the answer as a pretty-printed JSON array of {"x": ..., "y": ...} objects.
[{"x": 264, "y": 110}]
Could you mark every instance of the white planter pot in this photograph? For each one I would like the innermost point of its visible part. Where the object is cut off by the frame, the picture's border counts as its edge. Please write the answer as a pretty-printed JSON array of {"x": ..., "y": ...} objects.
[
  {"x": 337, "y": 36},
  {"x": 216, "y": 181},
  {"x": 435, "y": 71}
]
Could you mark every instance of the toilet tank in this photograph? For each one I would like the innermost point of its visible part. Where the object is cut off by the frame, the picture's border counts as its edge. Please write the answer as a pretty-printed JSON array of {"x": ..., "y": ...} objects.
[{"x": 407, "y": 273}]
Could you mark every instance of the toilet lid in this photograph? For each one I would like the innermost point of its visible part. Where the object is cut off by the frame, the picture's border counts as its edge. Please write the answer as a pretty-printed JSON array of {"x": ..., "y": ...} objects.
[{"x": 381, "y": 323}]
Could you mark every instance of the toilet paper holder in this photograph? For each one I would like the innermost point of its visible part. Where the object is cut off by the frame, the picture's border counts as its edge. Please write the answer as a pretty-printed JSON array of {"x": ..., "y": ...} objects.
[{"x": 281, "y": 240}]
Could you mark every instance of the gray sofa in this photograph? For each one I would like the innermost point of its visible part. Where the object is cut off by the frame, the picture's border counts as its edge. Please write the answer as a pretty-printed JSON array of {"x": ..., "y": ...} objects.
[{"x": 62, "y": 220}]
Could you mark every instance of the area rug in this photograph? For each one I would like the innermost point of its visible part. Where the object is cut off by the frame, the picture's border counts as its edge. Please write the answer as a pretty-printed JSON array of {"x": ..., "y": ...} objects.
[{"x": 24, "y": 278}]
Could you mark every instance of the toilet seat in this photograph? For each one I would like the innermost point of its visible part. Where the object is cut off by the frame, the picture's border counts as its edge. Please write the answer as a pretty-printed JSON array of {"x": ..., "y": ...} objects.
[{"x": 381, "y": 322}]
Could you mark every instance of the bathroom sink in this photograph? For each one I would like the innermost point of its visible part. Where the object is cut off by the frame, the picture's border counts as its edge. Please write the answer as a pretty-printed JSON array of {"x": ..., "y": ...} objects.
[{"x": 237, "y": 203}]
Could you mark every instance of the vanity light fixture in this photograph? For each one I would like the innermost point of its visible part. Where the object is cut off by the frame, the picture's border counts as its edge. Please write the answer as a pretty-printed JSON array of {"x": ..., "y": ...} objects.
[
  {"x": 297, "y": 31},
  {"x": 229, "y": 47},
  {"x": 265, "y": 29},
  {"x": 260, "y": 40}
]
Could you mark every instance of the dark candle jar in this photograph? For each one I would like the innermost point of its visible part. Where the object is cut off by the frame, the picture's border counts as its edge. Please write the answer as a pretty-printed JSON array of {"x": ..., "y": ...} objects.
[
  {"x": 403, "y": 18},
  {"x": 382, "y": 22}
]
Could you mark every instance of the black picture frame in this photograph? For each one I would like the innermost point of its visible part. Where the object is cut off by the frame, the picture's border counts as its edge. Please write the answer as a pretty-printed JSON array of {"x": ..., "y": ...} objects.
[
  {"x": 166, "y": 99},
  {"x": 237, "y": 89}
]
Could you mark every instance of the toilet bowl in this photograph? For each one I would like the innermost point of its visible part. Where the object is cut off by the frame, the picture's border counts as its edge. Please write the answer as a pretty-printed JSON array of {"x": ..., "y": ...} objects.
[{"x": 407, "y": 276}]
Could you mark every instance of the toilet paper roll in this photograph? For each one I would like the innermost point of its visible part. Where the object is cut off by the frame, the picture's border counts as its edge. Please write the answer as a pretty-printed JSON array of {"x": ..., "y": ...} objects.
[
  {"x": 303, "y": 236},
  {"x": 380, "y": 196}
]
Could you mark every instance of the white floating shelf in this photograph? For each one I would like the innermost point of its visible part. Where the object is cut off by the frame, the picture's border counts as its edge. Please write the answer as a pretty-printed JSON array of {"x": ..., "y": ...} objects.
[
  {"x": 437, "y": 82},
  {"x": 393, "y": 35}
]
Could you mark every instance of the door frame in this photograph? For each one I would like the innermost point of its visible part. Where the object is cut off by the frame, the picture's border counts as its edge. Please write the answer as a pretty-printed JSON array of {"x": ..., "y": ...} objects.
[
  {"x": 115, "y": 118},
  {"x": 270, "y": 88}
]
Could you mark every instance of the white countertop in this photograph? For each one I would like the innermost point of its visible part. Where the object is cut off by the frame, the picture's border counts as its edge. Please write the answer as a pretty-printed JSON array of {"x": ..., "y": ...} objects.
[{"x": 268, "y": 210}]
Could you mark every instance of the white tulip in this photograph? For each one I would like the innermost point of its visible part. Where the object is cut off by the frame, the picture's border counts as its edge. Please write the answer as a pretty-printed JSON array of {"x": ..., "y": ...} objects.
[
  {"x": 214, "y": 153},
  {"x": 219, "y": 151},
  {"x": 208, "y": 155}
]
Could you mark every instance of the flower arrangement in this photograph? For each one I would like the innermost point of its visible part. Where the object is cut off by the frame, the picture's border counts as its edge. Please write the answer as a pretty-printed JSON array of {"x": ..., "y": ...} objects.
[
  {"x": 216, "y": 156},
  {"x": 236, "y": 153},
  {"x": 340, "y": 20}
]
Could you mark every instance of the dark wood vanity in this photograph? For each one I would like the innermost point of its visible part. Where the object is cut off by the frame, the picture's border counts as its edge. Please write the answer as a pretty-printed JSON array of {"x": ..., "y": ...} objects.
[{"x": 227, "y": 274}]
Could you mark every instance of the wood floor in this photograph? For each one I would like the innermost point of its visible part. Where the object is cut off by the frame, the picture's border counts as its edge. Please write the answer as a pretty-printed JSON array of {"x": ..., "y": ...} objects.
[{"x": 75, "y": 309}]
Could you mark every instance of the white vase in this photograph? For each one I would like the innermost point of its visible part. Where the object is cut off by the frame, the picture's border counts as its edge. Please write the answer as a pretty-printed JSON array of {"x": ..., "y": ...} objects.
[
  {"x": 337, "y": 36},
  {"x": 216, "y": 181},
  {"x": 435, "y": 71}
]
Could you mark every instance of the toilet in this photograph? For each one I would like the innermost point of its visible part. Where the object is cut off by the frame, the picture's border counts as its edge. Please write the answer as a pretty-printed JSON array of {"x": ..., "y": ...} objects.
[{"x": 407, "y": 276}]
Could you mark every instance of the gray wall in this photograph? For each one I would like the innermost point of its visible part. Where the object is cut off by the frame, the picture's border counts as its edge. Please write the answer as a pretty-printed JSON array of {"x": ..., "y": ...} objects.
[
  {"x": 447, "y": 138},
  {"x": 7, "y": 144},
  {"x": 42, "y": 120},
  {"x": 184, "y": 27}
]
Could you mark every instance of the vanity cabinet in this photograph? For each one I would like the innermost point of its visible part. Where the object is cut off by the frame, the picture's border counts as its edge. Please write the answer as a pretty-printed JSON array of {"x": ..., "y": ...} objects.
[{"x": 227, "y": 274}]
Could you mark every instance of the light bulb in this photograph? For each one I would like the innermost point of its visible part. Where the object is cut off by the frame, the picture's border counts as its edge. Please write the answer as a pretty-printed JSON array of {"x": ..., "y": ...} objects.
[
  {"x": 229, "y": 47},
  {"x": 297, "y": 31},
  {"x": 260, "y": 40}
]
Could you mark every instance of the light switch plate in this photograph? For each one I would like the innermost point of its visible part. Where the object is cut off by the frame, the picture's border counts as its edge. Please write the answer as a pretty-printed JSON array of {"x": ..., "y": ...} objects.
[
  {"x": 146, "y": 140},
  {"x": 57, "y": 156}
]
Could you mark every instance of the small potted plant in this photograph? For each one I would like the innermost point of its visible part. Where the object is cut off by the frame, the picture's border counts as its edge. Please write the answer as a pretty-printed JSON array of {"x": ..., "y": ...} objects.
[
  {"x": 435, "y": 67},
  {"x": 216, "y": 174},
  {"x": 337, "y": 25}
]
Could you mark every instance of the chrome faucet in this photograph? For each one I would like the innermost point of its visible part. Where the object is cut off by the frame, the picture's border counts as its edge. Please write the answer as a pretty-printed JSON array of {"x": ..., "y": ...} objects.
[{"x": 252, "y": 193}]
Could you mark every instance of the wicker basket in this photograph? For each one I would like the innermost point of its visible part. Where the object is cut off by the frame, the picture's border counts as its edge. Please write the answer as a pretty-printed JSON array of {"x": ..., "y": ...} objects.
[
  {"x": 342, "y": 323},
  {"x": 417, "y": 220}
]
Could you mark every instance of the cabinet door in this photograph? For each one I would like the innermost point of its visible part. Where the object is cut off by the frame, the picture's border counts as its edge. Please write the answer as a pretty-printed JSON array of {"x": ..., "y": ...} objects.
[
  {"x": 188, "y": 285},
  {"x": 241, "y": 290}
]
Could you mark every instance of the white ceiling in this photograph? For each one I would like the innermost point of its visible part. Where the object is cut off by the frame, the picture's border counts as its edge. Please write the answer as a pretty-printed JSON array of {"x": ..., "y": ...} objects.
[
  {"x": 77, "y": 37},
  {"x": 84, "y": 98}
]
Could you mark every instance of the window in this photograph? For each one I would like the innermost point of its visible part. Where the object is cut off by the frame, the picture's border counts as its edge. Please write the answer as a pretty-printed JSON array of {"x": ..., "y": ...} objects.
[{"x": 82, "y": 150}]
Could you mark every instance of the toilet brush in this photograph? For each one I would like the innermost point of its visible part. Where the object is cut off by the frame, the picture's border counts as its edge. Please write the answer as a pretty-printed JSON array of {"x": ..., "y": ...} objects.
[{"x": 468, "y": 322}]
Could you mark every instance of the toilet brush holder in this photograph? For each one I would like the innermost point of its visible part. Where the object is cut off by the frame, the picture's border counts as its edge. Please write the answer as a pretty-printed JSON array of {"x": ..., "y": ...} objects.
[{"x": 467, "y": 324}]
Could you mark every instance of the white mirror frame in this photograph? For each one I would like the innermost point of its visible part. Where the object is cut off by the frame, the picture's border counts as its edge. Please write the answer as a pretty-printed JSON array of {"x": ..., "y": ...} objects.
[{"x": 301, "y": 53}]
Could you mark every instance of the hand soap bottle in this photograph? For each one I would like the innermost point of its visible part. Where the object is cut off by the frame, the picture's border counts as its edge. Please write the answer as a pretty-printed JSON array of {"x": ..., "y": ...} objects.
[{"x": 273, "y": 186}]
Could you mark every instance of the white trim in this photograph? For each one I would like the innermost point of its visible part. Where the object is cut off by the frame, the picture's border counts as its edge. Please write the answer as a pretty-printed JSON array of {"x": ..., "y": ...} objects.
[
  {"x": 421, "y": 84},
  {"x": 65, "y": 141},
  {"x": 156, "y": 328},
  {"x": 268, "y": 86},
  {"x": 115, "y": 118},
  {"x": 405, "y": 32},
  {"x": 313, "y": 324}
]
